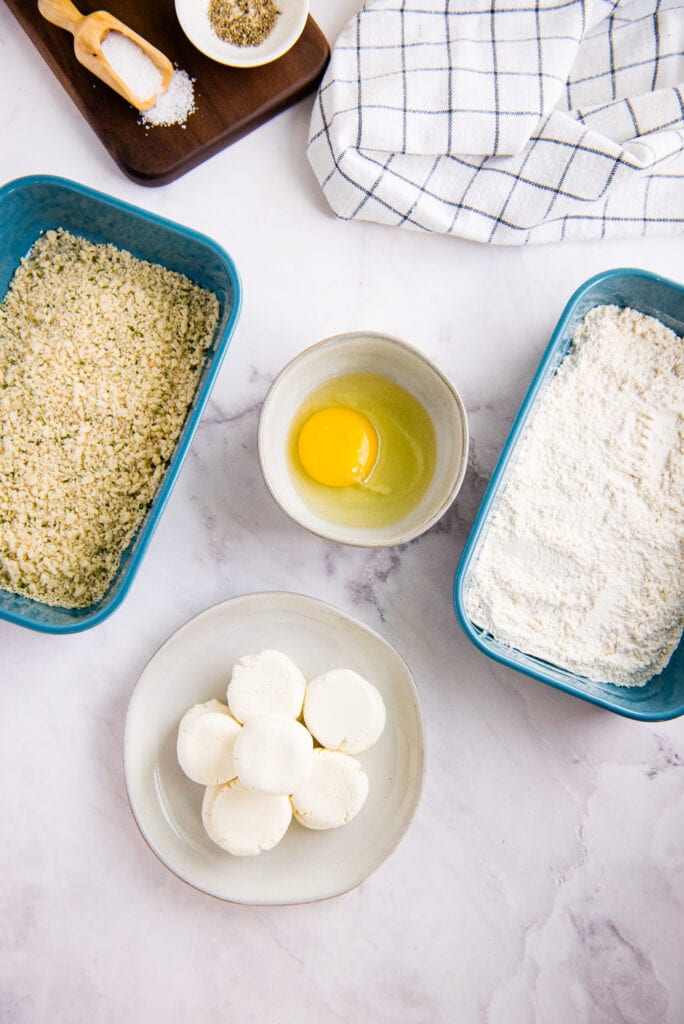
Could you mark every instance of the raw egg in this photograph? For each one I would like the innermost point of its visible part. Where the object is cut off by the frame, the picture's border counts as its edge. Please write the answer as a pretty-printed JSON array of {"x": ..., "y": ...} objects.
[
  {"x": 361, "y": 450},
  {"x": 337, "y": 447}
]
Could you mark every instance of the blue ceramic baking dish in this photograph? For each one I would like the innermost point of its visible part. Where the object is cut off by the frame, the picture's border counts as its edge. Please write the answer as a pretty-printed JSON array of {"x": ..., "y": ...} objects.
[
  {"x": 29, "y": 206},
  {"x": 663, "y": 696}
]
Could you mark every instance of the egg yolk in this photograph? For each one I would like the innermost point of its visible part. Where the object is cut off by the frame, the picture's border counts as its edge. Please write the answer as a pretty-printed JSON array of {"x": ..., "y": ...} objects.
[{"x": 337, "y": 447}]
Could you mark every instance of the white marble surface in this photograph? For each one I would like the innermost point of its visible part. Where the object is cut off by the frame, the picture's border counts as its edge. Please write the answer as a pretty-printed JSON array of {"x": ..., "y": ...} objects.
[{"x": 543, "y": 877}]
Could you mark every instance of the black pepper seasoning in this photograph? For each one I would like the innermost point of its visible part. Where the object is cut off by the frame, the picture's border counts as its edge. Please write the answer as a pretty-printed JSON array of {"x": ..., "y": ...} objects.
[{"x": 243, "y": 22}]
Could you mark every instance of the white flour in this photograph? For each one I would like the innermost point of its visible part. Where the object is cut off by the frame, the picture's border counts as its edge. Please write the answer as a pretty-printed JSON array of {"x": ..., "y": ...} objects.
[{"x": 583, "y": 563}]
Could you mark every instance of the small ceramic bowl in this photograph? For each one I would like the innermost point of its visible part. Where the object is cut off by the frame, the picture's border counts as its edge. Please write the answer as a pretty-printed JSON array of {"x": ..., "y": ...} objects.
[
  {"x": 365, "y": 352},
  {"x": 194, "y": 20}
]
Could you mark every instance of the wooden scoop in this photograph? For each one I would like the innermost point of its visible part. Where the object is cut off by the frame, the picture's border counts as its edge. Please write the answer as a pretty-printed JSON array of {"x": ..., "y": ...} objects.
[{"x": 89, "y": 31}]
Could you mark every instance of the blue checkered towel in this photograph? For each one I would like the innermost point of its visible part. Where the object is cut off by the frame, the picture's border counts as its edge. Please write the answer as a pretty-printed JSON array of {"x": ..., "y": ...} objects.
[{"x": 506, "y": 121}]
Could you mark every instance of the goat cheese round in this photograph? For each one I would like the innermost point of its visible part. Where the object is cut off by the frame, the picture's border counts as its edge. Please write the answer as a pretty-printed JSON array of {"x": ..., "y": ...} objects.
[
  {"x": 333, "y": 794},
  {"x": 273, "y": 754},
  {"x": 206, "y": 736},
  {"x": 344, "y": 711},
  {"x": 263, "y": 684},
  {"x": 208, "y": 801},
  {"x": 243, "y": 822}
]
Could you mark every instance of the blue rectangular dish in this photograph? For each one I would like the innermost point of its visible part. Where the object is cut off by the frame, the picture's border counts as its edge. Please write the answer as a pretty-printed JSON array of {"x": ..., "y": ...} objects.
[
  {"x": 663, "y": 696},
  {"x": 32, "y": 205}
]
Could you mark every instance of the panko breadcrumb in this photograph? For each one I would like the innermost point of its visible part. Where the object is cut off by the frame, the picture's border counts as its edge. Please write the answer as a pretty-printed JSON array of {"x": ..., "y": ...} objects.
[{"x": 100, "y": 356}]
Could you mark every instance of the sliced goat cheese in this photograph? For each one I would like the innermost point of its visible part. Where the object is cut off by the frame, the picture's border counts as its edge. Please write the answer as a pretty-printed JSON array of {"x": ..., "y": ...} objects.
[
  {"x": 334, "y": 793},
  {"x": 273, "y": 754},
  {"x": 344, "y": 711},
  {"x": 206, "y": 736},
  {"x": 266, "y": 683},
  {"x": 243, "y": 822}
]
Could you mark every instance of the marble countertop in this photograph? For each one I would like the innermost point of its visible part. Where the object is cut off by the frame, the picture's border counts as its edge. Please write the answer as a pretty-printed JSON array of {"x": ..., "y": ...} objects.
[{"x": 542, "y": 879}]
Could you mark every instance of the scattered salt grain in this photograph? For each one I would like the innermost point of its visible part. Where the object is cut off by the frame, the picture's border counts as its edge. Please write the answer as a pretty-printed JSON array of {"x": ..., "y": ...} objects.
[
  {"x": 132, "y": 65},
  {"x": 175, "y": 105}
]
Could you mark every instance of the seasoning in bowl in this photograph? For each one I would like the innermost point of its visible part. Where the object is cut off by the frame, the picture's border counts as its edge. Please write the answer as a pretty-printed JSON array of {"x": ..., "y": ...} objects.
[
  {"x": 100, "y": 358},
  {"x": 243, "y": 22}
]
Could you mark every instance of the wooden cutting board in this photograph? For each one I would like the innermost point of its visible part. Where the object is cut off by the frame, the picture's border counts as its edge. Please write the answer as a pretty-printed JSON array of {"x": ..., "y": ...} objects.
[{"x": 230, "y": 101}]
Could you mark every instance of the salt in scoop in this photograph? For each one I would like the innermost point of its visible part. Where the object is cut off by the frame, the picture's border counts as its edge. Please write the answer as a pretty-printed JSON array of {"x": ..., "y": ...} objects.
[{"x": 89, "y": 32}]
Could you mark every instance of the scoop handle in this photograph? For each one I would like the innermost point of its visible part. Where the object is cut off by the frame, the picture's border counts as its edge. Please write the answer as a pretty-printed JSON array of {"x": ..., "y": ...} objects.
[{"x": 62, "y": 13}]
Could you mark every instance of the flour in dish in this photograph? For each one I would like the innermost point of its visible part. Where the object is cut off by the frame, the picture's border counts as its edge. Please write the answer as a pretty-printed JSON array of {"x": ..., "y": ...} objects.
[{"x": 582, "y": 565}]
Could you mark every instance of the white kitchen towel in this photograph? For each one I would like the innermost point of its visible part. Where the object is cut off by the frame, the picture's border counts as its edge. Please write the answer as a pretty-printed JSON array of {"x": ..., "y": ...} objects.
[{"x": 506, "y": 121}]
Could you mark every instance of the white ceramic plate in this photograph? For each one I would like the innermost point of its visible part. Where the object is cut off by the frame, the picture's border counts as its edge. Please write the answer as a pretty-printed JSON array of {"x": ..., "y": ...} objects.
[
  {"x": 194, "y": 665},
  {"x": 194, "y": 20}
]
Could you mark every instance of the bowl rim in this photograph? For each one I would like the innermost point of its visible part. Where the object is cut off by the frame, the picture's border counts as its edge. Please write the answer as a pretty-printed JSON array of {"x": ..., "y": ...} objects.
[
  {"x": 234, "y": 57},
  {"x": 397, "y": 538},
  {"x": 105, "y": 608},
  {"x": 480, "y": 639}
]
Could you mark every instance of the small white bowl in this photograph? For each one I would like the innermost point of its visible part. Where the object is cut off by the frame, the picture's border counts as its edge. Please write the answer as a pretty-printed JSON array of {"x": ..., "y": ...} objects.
[
  {"x": 194, "y": 20},
  {"x": 365, "y": 352}
]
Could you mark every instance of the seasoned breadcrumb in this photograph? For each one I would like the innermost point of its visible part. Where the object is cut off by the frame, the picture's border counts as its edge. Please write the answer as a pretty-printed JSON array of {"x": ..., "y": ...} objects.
[{"x": 100, "y": 356}]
